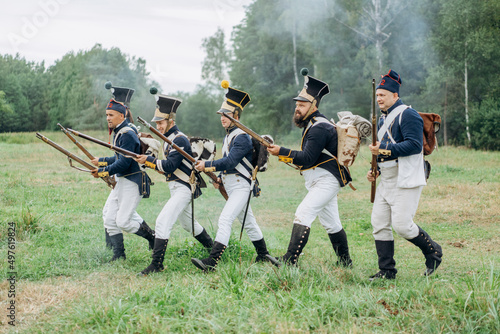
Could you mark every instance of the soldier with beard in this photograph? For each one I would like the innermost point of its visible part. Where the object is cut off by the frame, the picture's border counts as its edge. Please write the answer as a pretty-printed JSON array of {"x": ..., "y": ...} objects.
[{"x": 324, "y": 176}]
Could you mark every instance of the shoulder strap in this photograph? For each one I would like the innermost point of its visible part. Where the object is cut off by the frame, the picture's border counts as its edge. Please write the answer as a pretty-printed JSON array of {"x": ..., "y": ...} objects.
[
  {"x": 388, "y": 121},
  {"x": 122, "y": 131},
  {"x": 225, "y": 149}
]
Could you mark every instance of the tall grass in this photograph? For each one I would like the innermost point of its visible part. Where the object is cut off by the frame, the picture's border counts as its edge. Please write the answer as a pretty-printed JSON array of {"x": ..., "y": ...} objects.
[{"x": 66, "y": 285}]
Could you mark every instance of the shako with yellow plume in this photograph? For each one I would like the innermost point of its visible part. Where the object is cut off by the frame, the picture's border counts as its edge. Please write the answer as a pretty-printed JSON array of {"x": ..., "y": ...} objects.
[{"x": 235, "y": 100}]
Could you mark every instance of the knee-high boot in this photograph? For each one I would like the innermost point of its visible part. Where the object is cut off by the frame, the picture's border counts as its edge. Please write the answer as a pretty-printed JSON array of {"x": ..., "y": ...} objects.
[
  {"x": 386, "y": 263},
  {"x": 157, "y": 257},
  {"x": 205, "y": 239},
  {"x": 118, "y": 248},
  {"x": 431, "y": 250},
  {"x": 263, "y": 253},
  {"x": 147, "y": 233},
  {"x": 209, "y": 263},
  {"x": 108, "y": 240},
  {"x": 298, "y": 240},
  {"x": 341, "y": 248}
]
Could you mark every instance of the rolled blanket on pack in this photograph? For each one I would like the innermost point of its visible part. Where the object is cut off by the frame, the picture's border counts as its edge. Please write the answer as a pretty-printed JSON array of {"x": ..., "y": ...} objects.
[{"x": 363, "y": 126}]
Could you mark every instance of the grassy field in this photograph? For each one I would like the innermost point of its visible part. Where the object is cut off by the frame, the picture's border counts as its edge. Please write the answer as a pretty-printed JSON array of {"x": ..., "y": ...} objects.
[{"x": 64, "y": 283}]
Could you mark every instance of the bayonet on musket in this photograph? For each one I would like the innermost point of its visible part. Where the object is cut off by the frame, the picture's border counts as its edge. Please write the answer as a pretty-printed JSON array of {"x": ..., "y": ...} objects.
[{"x": 109, "y": 181}]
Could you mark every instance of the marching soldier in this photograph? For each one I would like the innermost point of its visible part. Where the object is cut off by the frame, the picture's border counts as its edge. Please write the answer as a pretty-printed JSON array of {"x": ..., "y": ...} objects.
[
  {"x": 324, "y": 176},
  {"x": 401, "y": 163},
  {"x": 177, "y": 170},
  {"x": 236, "y": 169},
  {"x": 132, "y": 184}
]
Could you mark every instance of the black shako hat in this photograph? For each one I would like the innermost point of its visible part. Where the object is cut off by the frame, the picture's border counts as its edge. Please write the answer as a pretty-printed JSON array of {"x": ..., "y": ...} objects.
[
  {"x": 391, "y": 82},
  {"x": 235, "y": 99},
  {"x": 313, "y": 90},
  {"x": 120, "y": 94},
  {"x": 166, "y": 106}
]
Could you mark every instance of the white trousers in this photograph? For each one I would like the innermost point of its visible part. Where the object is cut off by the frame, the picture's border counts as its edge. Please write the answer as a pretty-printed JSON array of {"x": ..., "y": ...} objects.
[
  {"x": 320, "y": 201},
  {"x": 178, "y": 208},
  {"x": 237, "y": 189},
  {"x": 119, "y": 213},
  {"x": 394, "y": 206}
]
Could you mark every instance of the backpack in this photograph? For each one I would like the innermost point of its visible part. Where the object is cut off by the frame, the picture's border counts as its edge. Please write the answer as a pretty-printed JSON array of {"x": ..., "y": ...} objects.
[
  {"x": 432, "y": 124},
  {"x": 260, "y": 155},
  {"x": 203, "y": 149},
  {"x": 350, "y": 129}
]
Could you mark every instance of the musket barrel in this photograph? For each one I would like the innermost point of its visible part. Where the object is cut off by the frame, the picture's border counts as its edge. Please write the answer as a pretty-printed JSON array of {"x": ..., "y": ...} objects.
[
  {"x": 84, "y": 150},
  {"x": 109, "y": 181},
  {"x": 64, "y": 151},
  {"x": 211, "y": 175},
  {"x": 120, "y": 150},
  {"x": 247, "y": 130},
  {"x": 374, "y": 142},
  {"x": 164, "y": 138}
]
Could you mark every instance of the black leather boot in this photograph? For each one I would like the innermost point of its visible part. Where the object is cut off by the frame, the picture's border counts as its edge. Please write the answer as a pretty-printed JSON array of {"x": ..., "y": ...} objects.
[
  {"x": 108, "y": 240},
  {"x": 341, "y": 248},
  {"x": 118, "y": 248},
  {"x": 298, "y": 240},
  {"x": 263, "y": 253},
  {"x": 158, "y": 256},
  {"x": 205, "y": 240},
  {"x": 431, "y": 250},
  {"x": 147, "y": 233},
  {"x": 386, "y": 263},
  {"x": 209, "y": 263}
]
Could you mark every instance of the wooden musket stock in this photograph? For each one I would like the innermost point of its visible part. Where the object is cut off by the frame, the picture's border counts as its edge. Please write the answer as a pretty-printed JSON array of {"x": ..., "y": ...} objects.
[
  {"x": 124, "y": 152},
  {"x": 247, "y": 130},
  {"x": 374, "y": 142},
  {"x": 109, "y": 181}
]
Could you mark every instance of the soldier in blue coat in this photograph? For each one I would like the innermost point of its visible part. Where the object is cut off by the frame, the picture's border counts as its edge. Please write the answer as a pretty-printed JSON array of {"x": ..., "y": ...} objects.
[
  {"x": 324, "y": 176},
  {"x": 177, "y": 170},
  {"x": 132, "y": 183},
  {"x": 235, "y": 172},
  {"x": 399, "y": 152}
]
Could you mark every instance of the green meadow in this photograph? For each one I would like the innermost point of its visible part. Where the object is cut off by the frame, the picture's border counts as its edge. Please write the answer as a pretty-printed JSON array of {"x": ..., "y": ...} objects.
[{"x": 64, "y": 283}]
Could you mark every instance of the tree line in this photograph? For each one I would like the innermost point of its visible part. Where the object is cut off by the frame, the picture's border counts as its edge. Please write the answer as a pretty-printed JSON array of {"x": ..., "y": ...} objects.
[{"x": 445, "y": 50}]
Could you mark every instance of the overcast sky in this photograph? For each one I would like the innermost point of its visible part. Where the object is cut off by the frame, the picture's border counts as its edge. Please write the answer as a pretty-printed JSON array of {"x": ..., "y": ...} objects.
[{"x": 167, "y": 34}]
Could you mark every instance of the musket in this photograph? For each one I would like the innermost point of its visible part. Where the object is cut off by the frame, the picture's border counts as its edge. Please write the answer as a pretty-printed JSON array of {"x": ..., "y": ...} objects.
[
  {"x": 250, "y": 132},
  {"x": 122, "y": 151},
  {"x": 84, "y": 150},
  {"x": 211, "y": 175},
  {"x": 247, "y": 130},
  {"x": 110, "y": 182},
  {"x": 374, "y": 142}
]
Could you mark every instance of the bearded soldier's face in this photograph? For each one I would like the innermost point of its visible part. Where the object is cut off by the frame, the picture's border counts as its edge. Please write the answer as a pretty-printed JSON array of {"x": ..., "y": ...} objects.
[
  {"x": 114, "y": 118},
  {"x": 301, "y": 109}
]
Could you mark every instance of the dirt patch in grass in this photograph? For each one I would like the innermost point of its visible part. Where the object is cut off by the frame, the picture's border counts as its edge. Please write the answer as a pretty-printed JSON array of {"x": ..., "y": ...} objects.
[{"x": 38, "y": 301}]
